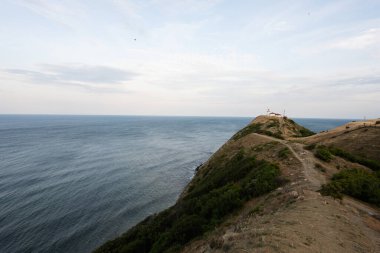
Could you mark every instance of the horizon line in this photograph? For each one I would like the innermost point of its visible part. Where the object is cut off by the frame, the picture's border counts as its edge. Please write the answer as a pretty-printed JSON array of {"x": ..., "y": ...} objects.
[{"x": 149, "y": 115}]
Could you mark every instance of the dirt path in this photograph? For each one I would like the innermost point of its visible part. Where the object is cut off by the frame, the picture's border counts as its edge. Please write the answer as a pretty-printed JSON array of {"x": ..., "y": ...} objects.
[
  {"x": 306, "y": 158},
  {"x": 308, "y": 161}
]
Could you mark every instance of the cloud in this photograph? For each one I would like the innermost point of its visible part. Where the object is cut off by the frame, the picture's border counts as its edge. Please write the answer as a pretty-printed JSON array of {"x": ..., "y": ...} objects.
[
  {"x": 363, "y": 40},
  {"x": 282, "y": 26},
  {"x": 90, "y": 74},
  {"x": 91, "y": 77},
  {"x": 65, "y": 14},
  {"x": 367, "y": 80},
  {"x": 186, "y": 5}
]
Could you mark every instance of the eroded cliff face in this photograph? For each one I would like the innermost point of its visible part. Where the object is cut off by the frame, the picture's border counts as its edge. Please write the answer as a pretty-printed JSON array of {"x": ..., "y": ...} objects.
[{"x": 259, "y": 193}]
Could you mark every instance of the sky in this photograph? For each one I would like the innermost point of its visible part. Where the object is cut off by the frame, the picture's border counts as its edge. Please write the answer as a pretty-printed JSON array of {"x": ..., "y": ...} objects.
[{"x": 315, "y": 59}]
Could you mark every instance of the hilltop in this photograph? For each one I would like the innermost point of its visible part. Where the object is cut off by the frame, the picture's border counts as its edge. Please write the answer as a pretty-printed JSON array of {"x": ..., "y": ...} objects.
[
  {"x": 279, "y": 127},
  {"x": 261, "y": 192}
]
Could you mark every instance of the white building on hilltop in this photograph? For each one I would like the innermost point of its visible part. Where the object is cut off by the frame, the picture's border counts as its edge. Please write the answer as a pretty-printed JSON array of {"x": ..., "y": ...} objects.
[{"x": 274, "y": 114}]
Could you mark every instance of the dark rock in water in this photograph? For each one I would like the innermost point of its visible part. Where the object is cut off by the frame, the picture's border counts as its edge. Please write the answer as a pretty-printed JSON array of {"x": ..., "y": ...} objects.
[{"x": 197, "y": 168}]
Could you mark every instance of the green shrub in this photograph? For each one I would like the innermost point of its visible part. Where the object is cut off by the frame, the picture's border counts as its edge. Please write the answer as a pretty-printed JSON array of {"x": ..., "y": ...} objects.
[
  {"x": 323, "y": 153},
  {"x": 273, "y": 123},
  {"x": 370, "y": 163},
  {"x": 219, "y": 193},
  {"x": 310, "y": 146},
  {"x": 332, "y": 189},
  {"x": 252, "y": 128},
  {"x": 256, "y": 210},
  {"x": 304, "y": 132},
  {"x": 269, "y": 133},
  {"x": 357, "y": 183},
  {"x": 255, "y": 128},
  {"x": 320, "y": 167},
  {"x": 283, "y": 153}
]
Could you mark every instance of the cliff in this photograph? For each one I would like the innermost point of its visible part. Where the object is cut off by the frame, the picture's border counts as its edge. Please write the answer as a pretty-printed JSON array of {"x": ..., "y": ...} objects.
[{"x": 261, "y": 192}]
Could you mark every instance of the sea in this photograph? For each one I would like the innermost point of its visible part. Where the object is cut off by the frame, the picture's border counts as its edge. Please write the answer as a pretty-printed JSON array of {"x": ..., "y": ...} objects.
[{"x": 70, "y": 183}]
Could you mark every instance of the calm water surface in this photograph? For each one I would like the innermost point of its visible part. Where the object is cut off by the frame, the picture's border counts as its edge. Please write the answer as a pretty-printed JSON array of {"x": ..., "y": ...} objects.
[{"x": 70, "y": 183}]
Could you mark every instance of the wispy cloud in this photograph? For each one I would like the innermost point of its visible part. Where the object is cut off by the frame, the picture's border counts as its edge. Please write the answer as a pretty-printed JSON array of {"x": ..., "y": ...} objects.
[
  {"x": 185, "y": 5},
  {"x": 90, "y": 77},
  {"x": 361, "y": 41},
  {"x": 361, "y": 80},
  {"x": 65, "y": 14}
]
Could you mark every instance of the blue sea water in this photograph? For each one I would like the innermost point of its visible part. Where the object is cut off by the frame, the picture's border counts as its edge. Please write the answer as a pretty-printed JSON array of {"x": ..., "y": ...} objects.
[
  {"x": 70, "y": 183},
  {"x": 318, "y": 125}
]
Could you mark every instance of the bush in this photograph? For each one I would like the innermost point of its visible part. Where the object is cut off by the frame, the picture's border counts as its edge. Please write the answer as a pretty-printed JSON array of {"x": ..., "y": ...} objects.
[
  {"x": 269, "y": 133},
  {"x": 372, "y": 164},
  {"x": 274, "y": 123},
  {"x": 252, "y": 128},
  {"x": 332, "y": 189},
  {"x": 357, "y": 183},
  {"x": 326, "y": 153},
  {"x": 256, "y": 210},
  {"x": 255, "y": 128},
  {"x": 310, "y": 146},
  {"x": 283, "y": 153},
  {"x": 323, "y": 153},
  {"x": 320, "y": 167},
  {"x": 304, "y": 132}
]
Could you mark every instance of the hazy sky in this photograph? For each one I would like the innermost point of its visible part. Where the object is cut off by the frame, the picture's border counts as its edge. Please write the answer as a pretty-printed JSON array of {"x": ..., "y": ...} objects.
[{"x": 190, "y": 57}]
